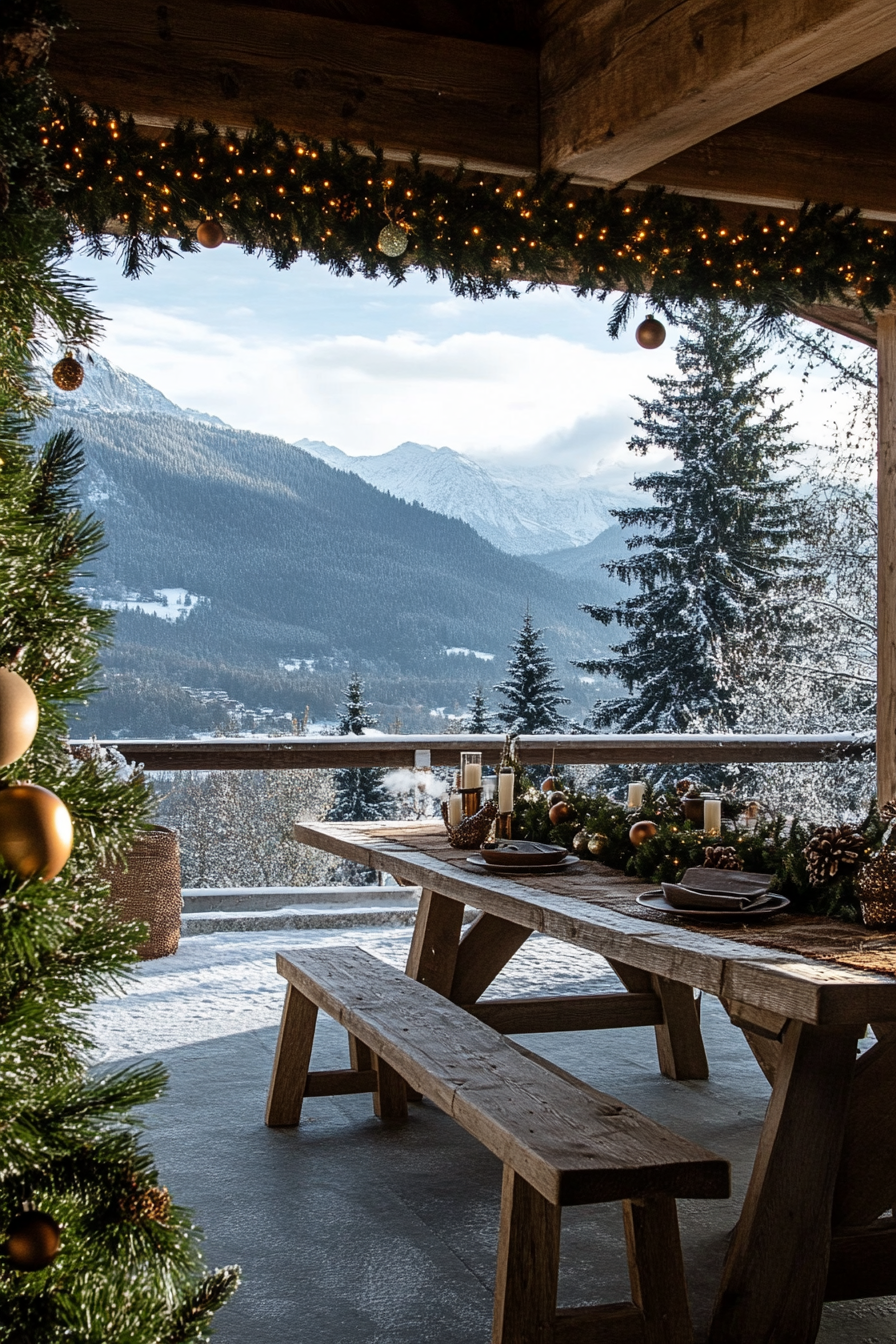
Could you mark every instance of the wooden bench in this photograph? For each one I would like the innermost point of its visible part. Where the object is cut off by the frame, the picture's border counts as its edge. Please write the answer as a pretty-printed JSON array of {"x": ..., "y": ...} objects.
[{"x": 561, "y": 1141}]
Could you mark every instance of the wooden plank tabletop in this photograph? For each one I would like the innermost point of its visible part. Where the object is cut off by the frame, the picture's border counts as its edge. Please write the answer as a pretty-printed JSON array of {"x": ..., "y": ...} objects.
[{"x": 814, "y": 970}]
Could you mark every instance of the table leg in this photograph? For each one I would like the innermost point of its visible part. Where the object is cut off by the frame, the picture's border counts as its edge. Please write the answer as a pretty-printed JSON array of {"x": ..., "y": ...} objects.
[
  {"x": 484, "y": 951},
  {"x": 866, "y": 1182},
  {"x": 773, "y": 1283},
  {"x": 434, "y": 946},
  {"x": 679, "y": 1043}
]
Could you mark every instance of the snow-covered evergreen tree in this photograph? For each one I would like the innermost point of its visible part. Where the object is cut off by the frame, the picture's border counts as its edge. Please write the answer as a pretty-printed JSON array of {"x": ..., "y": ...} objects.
[
  {"x": 361, "y": 794},
  {"x": 478, "y": 718},
  {"x": 531, "y": 692},
  {"x": 712, "y": 555}
]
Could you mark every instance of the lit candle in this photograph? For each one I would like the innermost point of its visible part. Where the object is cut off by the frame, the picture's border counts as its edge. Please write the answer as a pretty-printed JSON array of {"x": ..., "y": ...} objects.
[
  {"x": 455, "y": 810},
  {"x": 471, "y": 766},
  {"x": 635, "y": 795},
  {"x": 712, "y": 816},
  {"x": 506, "y": 780}
]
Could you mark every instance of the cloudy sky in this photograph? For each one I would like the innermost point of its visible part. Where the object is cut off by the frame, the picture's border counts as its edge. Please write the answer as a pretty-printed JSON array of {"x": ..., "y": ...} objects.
[{"x": 364, "y": 366}]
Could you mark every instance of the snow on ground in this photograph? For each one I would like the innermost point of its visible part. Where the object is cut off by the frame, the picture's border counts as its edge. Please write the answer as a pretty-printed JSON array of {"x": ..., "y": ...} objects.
[
  {"x": 171, "y": 603},
  {"x": 220, "y": 984},
  {"x": 473, "y": 653}
]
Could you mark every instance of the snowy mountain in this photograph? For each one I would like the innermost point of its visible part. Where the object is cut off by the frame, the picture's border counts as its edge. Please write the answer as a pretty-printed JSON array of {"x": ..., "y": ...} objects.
[
  {"x": 112, "y": 391},
  {"x": 525, "y": 511}
]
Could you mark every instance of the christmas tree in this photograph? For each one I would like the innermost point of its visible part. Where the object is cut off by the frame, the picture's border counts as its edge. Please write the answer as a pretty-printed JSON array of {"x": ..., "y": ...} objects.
[
  {"x": 361, "y": 794},
  {"x": 477, "y": 718},
  {"x": 717, "y": 583},
  {"x": 92, "y": 1247},
  {"x": 530, "y": 688}
]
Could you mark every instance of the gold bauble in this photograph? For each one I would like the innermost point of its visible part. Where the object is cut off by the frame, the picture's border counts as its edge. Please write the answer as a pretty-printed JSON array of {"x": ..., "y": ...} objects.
[
  {"x": 641, "y": 831},
  {"x": 19, "y": 715},
  {"x": 597, "y": 844},
  {"x": 548, "y": 785},
  {"x": 68, "y": 374},
  {"x": 559, "y": 812},
  {"x": 210, "y": 233},
  {"x": 33, "y": 1241},
  {"x": 557, "y": 796},
  {"x": 35, "y": 831},
  {"x": 580, "y": 842},
  {"x": 875, "y": 886},
  {"x": 650, "y": 334},
  {"x": 393, "y": 241}
]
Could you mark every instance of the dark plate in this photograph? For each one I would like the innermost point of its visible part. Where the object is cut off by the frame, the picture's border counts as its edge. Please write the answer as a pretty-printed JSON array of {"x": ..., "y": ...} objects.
[
  {"x": 569, "y": 861},
  {"x": 655, "y": 900},
  {"x": 516, "y": 853}
]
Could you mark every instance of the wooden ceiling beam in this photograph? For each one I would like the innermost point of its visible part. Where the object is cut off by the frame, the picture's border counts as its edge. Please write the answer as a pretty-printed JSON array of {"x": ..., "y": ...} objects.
[
  {"x": 451, "y": 98},
  {"x": 627, "y": 85},
  {"x": 814, "y": 147}
]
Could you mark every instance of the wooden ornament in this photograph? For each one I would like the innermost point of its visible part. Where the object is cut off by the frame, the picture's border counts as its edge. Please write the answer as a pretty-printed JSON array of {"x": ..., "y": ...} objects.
[
  {"x": 35, "y": 831},
  {"x": 641, "y": 831},
  {"x": 559, "y": 812},
  {"x": 19, "y": 714},
  {"x": 210, "y": 233},
  {"x": 33, "y": 1241},
  {"x": 393, "y": 241},
  {"x": 68, "y": 374},
  {"x": 650, "y": 334}
]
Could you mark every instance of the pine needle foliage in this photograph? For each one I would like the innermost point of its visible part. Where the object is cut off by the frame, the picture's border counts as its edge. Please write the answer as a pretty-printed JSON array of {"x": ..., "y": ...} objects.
[
  {"x": 361, "y": 794},
  {"x": 712, "y": 556},
  {"x": 530, "y": 690},
  {"x": 69, "y": 1145},
  {"x": 478, "y": 718}
]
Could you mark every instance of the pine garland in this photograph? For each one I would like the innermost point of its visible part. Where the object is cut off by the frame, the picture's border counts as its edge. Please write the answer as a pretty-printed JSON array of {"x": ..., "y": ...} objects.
[{"x": 283, "y": 195}]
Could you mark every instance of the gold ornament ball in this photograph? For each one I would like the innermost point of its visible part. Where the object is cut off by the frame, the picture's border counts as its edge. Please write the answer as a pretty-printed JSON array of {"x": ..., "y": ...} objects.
[
  {"x": 68, "y": 374},
  {"x": 548, "y": 785},
  {"x": 650, "y": 334},
  {"x": 556, "y": 797},
  {"x": 641, "y": 831},
  {"x": 559, "y": 812},
  {"x": 19, "y": 715},
  {"x": 33, "y": 1241},
  {"x": 210, "y": 233},
  {"x": 35, "y": 831},
  {"x": 876, "y": 889},
  {"x": 393, "y": 241},
  {"x": 580, "y": 842},
  {"x": 597, "y": 844}
]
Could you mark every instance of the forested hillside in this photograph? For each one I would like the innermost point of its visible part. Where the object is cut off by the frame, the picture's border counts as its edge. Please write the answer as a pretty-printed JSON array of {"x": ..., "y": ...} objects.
[{"x": 295, "y": 571}]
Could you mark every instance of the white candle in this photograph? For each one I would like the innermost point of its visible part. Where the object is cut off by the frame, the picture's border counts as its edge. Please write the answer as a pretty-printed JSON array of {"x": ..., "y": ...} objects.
[
  {"x": 635, "y": 796},
  {"x": 455, "y": 810},
  {"x": 712, "y": 816},
  {"x": 505, "y": 791},
  {"x": 471, "y": 766}
]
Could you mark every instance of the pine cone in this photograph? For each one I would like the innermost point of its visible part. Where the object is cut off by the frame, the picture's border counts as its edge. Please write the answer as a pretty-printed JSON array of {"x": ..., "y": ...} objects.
[
  {"x": 721, "y": 856},
  {"x": 152, "y": 1203},
  {"x": 832, "y": 848}
]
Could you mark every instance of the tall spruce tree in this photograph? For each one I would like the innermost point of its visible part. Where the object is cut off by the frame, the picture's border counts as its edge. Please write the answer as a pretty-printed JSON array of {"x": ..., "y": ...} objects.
[
  {"x": 361, "y": 794},
  {"x": 127, "y": 1265},
  {"x": 718, "y": 584},
  {"x": 531, "y": 692},
  {"x": 478, "y": 719}
]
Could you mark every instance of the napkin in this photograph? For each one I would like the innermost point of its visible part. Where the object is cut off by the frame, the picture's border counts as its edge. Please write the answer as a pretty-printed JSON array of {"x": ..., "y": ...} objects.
[
  {"x": 717, "y": 889},
  {"x": 683, "y": 898}
]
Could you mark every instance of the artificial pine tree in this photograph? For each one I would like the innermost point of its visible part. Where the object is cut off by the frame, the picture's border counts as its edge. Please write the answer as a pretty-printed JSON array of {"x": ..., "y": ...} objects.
[
  {"x": 71, "y": 1158},
  {"x": 477, "y": 718},
  {"x": 361, "y": 794},
  {"x": 530, "y": 689},
  {"x": 718, "y": 585}
]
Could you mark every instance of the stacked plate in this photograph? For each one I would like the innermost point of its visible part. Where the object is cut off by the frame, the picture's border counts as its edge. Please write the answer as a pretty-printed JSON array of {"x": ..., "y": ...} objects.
[
  {"x": 713, "y": 893},
  {"x": 523, "y": 856}
]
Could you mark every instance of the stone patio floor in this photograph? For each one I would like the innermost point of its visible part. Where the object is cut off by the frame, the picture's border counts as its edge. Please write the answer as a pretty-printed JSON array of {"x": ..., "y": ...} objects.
[{"x": 349, "y": 1231}]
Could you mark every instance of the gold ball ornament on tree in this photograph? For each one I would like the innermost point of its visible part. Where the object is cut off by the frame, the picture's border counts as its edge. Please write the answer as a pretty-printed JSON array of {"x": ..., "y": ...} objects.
[
  {"x": 641, "y": 831},
  {"x": 650, "y": 333},
  {"x": 19, "y": 715},
  {"x": 36, "y": 831},
  {"x": 561, "y": 811},
  {"x": 33, "y": 1241},
  {"x": 210, "y": 233},
  {"x": 549, "y": 785},
  {"x": 557, "y": 796},
  {"x": 580, "y": 842},
  {"x": 597, "y": 844},
  {"x": 393, "y": 241},
  {"x": 68, "y": 374}
]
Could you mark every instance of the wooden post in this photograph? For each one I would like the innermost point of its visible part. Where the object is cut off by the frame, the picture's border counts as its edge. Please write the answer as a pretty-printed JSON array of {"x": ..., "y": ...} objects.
[{"x": 886, "y": 556}]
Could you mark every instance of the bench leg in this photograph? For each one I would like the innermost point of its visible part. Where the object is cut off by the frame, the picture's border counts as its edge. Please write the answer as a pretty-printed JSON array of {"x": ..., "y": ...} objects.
[
  {"x": 390, "y": 1100},
  {"x": 528, "y": 1264},
  {"x": 656, "y": 1269},
  {"x": 291, "y": 1060}
]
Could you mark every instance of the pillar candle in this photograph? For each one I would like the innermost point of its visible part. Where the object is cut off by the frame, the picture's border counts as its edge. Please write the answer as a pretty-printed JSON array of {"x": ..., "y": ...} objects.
[
  {"x": 635, "y": 796},
  {"x": 473, "y": 771},
  {"x": 455, "y": 811},
  {"x": 506, "y": 779},
  {"x": 712, "y": 816}
]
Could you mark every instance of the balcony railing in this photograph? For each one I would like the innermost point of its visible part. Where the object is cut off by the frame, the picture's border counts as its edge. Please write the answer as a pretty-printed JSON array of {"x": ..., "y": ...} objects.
[{"x": 331, "y": 753}]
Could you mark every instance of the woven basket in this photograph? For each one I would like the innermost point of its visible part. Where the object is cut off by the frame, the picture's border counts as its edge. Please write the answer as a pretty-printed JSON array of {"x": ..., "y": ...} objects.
[
  {"x": 472, "y": 831},
  {"x": 147, "y": 890}
]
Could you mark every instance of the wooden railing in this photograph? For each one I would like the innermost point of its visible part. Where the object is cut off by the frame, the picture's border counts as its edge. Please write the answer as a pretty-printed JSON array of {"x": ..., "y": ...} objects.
[{"x": 329, "y": 753}]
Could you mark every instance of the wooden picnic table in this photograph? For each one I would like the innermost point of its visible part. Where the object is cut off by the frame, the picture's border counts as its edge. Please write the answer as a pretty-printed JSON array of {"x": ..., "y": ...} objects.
[{"x": 814, "y": 1224}]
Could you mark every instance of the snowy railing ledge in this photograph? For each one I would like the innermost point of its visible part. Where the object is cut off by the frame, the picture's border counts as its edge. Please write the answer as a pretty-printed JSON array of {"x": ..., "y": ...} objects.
[{"x": 333, "y": 753}]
